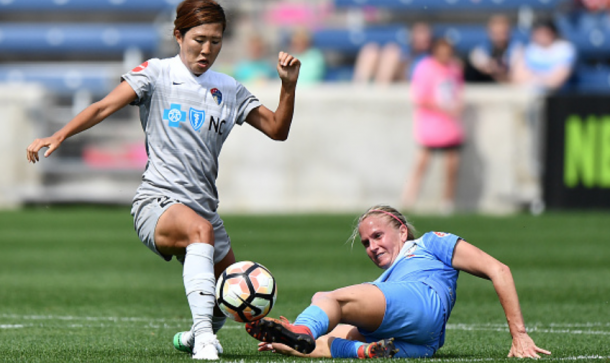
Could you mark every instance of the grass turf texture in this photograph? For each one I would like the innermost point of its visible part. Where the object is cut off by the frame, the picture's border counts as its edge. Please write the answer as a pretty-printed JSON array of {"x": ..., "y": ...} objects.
[{"x": 78, "y": 286}]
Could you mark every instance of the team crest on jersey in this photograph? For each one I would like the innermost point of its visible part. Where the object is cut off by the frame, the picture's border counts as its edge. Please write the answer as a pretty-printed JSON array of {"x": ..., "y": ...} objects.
[
  {"x": 217, "y": 95},
  {"x": 441, "y": 234},
  {"x": 197, "y": 118},
  {"x": 140, "y": 68}
]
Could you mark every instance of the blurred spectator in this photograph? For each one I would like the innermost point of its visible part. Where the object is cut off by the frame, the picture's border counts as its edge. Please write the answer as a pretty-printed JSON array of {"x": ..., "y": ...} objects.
[
  {"x": 391, "y": 62},
  {"x": 593, "y": 5},
  {"x": 255, "y": 67},
  {"x": 546, "y": 63},
  {"x": 436, "y": 90},
  {"x": 313, "y": 65},
  {"x": 490, "y": 61}
]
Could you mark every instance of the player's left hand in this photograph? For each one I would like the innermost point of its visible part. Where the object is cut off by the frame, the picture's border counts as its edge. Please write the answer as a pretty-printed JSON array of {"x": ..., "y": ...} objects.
[
  {"x": 278, "y": 348},
  {"x": 288, "y": 68},
  {"x": 524, "y": 347}
]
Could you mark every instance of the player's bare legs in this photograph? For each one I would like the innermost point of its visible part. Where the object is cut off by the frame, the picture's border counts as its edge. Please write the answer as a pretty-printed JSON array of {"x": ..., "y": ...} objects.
[
  {"x": 359, "y": 305},
  {"x": 452, "y": 164},
  {"x": 323, "y": 343},
  {"x": 181, "y": 231},
  {"x": 413, "y": 184}
]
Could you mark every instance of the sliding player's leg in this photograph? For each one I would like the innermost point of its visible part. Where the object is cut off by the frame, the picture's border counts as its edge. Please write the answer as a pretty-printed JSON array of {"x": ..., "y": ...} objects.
[{"x": 358, "y": 305}]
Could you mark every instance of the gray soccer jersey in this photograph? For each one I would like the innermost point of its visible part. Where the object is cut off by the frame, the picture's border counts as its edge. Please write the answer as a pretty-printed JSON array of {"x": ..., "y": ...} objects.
[{"x": 186, "y": 119}]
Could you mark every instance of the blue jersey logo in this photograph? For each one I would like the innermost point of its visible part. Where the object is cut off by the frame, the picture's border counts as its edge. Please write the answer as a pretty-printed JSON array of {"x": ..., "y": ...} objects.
[
  {"x": 197, "y": 118},
  {"x": 174, "y": 115}
]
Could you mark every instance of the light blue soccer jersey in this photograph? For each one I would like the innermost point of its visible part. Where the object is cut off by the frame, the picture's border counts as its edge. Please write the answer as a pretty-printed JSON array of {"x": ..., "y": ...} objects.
[{"x": 428, "y": 260}]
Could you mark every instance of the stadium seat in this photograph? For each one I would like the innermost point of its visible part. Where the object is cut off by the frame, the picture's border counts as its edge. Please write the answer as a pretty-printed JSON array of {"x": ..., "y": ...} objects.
[
  {"x": 350, "y": 41},
  {"x": 64, "y": 78},
  {"x": 451, "y": 5},
  {"x": 589, "y": 33},
  {"x": 88, "y": 5},
  {"x": 83, "y": 38},
  {"x": 464, "y": 37},
  {"x": 592, "y": 79}
]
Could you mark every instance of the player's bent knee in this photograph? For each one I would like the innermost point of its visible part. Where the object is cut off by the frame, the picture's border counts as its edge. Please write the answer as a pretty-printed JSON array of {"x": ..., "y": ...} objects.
[
  {"x": 200, "y": 231},
  {"x": 319, "y": 295}
]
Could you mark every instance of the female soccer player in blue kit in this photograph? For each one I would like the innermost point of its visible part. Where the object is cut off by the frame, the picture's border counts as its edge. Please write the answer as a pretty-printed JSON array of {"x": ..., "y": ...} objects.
[
  {"x": 187, "y": 112},
  {"x": 403, "y": 313}
]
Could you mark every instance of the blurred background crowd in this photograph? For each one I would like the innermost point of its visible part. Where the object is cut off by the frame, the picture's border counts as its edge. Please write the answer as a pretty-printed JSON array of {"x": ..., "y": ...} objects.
[
  {"x": 548, "y": 44},
  {"x": 77, "y": 50}
]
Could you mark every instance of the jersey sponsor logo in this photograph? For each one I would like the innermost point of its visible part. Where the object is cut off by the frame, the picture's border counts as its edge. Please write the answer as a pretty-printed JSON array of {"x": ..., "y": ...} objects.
[
  {"x": 140, "y": 68},
  {"x": 174, "y": 115},
  {"x": 441, "y": 234},
  {"x": 217, "y": 95},
  {"x": 197, "y": 118},
  {"x": 217, "y": 125}
]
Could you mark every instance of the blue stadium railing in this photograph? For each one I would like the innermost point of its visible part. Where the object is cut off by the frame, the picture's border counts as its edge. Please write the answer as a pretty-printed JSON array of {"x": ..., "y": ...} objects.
[
  {"x": 450, "y": 5},
  {"x": 87, "y": 5},
  {"x": 63, "y": 79},
  {"x": 463, "y": 37},
  {"x": 84, "y": 38}
]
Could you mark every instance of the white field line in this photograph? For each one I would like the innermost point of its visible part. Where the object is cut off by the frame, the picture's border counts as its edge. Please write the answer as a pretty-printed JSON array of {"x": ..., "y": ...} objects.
[
  {"x": 181, "y": 323},
  {"x": 544, "y": 358},
  {"x": 537, "y": 329}
]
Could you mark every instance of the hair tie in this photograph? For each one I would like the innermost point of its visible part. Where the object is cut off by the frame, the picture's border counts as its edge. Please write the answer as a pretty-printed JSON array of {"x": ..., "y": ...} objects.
[{"x": 390, "y": 214}]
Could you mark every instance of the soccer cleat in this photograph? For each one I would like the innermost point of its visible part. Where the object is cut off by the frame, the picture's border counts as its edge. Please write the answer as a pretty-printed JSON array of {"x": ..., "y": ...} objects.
[
  {"x": 184, "y": 341},
  {"x": 382, "y": 349},
  {"x": 207, "y": 350},
  {"x": 270, "y": 330}
]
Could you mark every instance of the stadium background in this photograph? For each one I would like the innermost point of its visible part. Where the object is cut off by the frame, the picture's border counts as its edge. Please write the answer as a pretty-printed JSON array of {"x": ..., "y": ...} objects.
[{"x": 76, "y": 281}]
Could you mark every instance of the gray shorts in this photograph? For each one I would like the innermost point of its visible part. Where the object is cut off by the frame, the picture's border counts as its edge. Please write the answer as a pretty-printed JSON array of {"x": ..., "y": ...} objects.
[{"x": 146, "y": 212}]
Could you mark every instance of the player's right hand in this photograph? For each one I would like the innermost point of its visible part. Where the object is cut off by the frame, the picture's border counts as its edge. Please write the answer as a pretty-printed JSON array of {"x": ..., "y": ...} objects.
[{"x": 51, "y": 142}]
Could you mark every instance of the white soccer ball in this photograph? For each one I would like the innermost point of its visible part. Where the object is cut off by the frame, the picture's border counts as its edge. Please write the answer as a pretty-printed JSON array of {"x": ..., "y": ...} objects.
[{"x": 246, "y": 291}]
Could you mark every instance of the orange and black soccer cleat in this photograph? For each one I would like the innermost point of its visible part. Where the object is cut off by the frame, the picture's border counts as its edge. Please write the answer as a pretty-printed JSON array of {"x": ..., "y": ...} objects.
[
  {"x": 382, "y": 349},
  {"x": 269, "y": 330}
]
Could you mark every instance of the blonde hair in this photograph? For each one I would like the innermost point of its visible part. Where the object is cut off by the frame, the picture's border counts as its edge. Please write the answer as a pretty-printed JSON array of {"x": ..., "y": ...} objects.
[{"x": 393, "y": 216}]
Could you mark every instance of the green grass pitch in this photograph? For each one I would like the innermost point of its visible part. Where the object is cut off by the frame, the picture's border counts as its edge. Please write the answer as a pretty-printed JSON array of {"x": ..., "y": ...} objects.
[{"x": 76, "y": 285}]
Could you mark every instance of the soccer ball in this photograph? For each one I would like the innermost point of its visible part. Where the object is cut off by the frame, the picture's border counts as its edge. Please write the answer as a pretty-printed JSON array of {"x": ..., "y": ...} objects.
[{"x": 246, "y": 291}]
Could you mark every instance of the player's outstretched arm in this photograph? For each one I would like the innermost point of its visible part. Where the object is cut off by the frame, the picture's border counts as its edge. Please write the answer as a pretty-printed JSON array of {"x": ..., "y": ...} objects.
[
  {"x": 118, "y": 98},
  {"x": 474, "y": 261},
  {"x": 276, "y": 124}
]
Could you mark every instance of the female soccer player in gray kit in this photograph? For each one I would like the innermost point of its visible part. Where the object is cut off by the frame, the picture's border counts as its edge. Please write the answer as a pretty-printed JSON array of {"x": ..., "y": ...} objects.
[{"x": 187, "y": 112}]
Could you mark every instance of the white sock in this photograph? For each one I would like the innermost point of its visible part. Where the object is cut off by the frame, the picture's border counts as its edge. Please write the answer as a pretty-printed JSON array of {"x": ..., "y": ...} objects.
[{"x": 199, "y": 283}]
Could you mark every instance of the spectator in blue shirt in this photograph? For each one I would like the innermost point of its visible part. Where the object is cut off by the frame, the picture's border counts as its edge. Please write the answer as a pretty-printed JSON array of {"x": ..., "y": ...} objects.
[
  {"x": 255, "y": 67},
  {"x": 546, "y": 63}
]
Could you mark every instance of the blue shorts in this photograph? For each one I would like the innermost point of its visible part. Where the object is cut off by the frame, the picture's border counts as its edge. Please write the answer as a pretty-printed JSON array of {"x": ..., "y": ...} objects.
[{"x": 414, "y": 317}]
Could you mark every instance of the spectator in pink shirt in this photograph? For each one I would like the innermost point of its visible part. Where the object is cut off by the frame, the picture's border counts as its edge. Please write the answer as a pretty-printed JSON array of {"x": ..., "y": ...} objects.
[{"x": 436, "y": 91}]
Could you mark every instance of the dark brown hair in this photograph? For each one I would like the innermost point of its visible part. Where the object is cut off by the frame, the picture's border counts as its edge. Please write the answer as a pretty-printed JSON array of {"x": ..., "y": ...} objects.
[{"x": 192, "y": 13}]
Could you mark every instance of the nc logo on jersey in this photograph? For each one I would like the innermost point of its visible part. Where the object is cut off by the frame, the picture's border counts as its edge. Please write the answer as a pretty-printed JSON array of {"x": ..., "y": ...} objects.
[
  {"x": 197, "y": 118},
  {"x": 440, "y": 234},
  {"x": 217, "y": 95},
  {"x": 174, "y": 115}
]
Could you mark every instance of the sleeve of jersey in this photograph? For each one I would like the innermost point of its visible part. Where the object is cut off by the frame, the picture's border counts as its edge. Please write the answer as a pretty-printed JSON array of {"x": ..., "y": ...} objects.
[
  {"x": 142, "y": 79},
  {"x": 441, "y": 245},
  {"x": 245, "y": 102}
]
